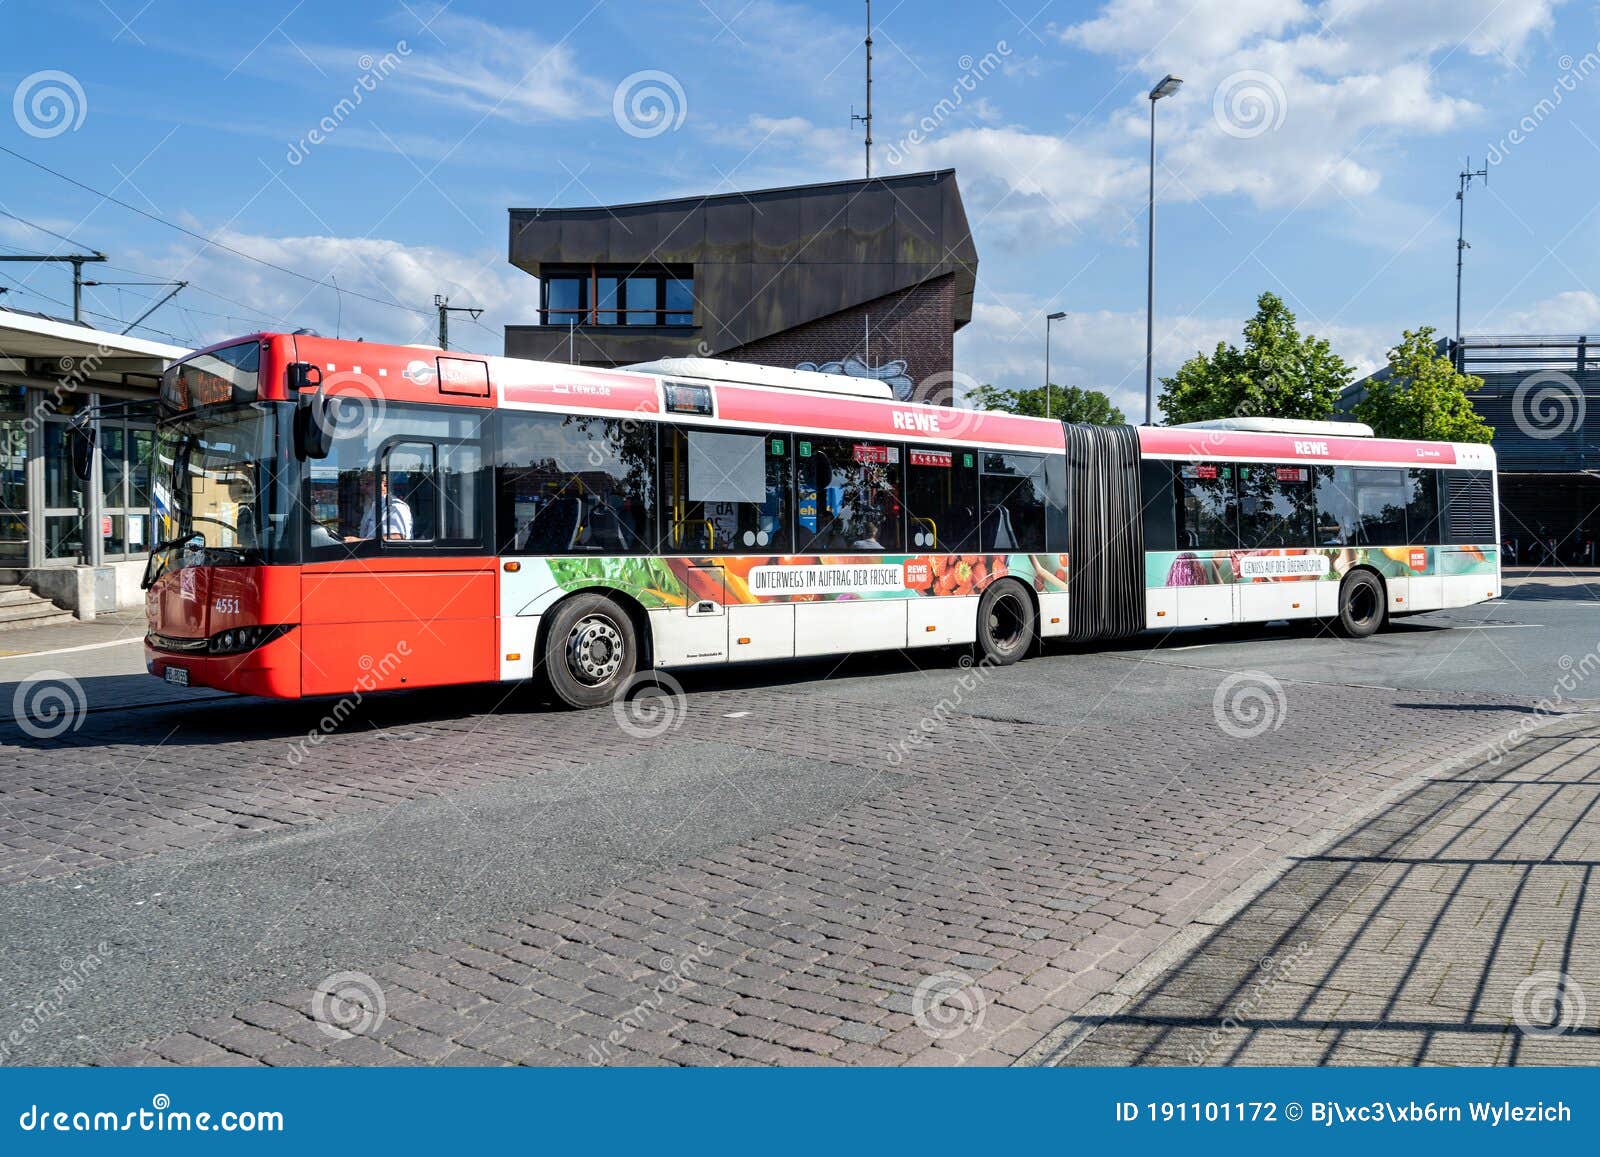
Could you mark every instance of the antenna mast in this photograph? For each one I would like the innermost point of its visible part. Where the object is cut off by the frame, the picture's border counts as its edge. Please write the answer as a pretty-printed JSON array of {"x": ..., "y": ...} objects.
[
  {"x": 1461, "y": 237},
  {"x": 867, "y": 119}
]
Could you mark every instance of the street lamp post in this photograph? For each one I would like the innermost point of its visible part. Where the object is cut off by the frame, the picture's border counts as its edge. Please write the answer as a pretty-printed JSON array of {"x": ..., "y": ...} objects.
[
  {"x": 1048, "y": 319},
  {"x": 1169, "y": 84}
]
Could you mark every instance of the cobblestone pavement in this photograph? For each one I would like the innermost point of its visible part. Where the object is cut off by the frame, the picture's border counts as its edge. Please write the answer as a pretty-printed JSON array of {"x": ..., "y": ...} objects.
[
  {"x": 890, "y": 865},
  {"x": 1457, "y": 925}
]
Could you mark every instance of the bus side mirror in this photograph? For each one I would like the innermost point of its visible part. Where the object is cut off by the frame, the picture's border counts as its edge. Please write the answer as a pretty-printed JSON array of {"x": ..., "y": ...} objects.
[
  {"x": 314, "y": 415},
  {"x": 80, "y": 450}
]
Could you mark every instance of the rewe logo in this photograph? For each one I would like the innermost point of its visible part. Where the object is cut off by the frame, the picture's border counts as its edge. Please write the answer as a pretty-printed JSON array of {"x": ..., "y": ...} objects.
[
  {"x": 916, "y": 420},
  {"x": 1311, "y": 448}
]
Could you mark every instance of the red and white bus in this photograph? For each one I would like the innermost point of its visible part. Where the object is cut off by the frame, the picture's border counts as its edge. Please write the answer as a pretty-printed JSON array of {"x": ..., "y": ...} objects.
[{"x": 338, "y": 516}]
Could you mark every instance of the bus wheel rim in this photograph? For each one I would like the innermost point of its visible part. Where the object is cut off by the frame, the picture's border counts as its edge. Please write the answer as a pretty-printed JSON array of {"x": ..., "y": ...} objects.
[
  {"x": 1005, "y": 622},
  {"x": 594, "y": 650}
]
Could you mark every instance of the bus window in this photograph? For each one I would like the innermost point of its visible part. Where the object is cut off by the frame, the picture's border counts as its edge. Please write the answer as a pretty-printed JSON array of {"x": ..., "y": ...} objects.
[
  {"x": 1275, "y": 506},
  {"x": 1208, "y": 515},
  {"x": 724, "y": 492},
  {"x": 1155, "y": 483},
  {"x": 575, "y": 485},
  {"x": 848, "y": 496},
  {"x": 404, "y": 507},
  {"x": 403, "y": 448},
  {"x": 1013, "y": 502},
  {"x": 1361, "y": 506},
  {"x": 942, "y": 499},
  {"x": 1422, "y": 506}
]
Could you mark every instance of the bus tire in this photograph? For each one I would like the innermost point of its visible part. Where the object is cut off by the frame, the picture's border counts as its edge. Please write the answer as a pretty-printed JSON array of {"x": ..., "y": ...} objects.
[
  {"x": 1007, "y": 623},
  {"x": 1361, "y": 605},
  {"x": 591, "y": 651}
]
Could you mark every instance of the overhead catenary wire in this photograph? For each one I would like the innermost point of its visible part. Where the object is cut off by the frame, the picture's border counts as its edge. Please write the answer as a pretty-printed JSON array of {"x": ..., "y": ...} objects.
[{"x": 224, "y": 246}]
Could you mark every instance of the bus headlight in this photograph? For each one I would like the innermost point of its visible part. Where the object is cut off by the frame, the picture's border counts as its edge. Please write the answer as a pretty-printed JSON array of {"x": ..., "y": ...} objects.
[{"x": 237, "y": 640}]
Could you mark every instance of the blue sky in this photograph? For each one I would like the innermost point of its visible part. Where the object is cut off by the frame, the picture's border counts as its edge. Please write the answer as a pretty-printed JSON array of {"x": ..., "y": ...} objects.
[{"x": 1313, "y": 151}]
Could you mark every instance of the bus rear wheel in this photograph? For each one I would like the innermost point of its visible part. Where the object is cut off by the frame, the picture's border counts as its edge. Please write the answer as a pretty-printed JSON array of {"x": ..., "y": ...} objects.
[
  {"x": 1360, "y": 605},
  {"x": 1006, "y": 623},
  {"x": 590, "y": 652}
]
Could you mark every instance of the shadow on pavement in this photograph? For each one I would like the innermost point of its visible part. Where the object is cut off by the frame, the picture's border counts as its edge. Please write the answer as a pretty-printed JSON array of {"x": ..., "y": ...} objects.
[{"x": 1444, "y": 930}]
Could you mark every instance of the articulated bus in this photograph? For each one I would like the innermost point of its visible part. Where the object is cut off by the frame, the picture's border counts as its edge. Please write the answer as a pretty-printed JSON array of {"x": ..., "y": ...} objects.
[{"x": 338, "y": 516}]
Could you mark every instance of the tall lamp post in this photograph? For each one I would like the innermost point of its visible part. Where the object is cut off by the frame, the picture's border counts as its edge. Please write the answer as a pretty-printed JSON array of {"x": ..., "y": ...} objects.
[
  {"x": 1169, "y": 84},
  {"x": 1048, "y": 320}
]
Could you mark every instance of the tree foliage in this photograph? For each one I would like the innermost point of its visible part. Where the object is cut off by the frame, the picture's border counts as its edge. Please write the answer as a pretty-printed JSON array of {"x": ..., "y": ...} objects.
[
  {"x": 1423, "y": 395},
  {"x": 1067, "y": 403},
  {"x": 1278, "y": 374}
]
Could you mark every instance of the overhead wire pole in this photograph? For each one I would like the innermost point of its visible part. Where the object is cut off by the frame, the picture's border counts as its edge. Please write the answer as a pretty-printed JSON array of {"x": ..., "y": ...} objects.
[
  {"x": 442, "y": 304},
  {"x": 1461, "y": 236},
  {"x": 77, "y": 261},
  {"x": 177, "y": 286}
]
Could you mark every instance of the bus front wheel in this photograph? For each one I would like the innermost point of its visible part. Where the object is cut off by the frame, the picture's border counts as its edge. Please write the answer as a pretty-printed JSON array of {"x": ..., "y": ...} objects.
[
  {"x": 1360, "y": 605},
  {"x": 1006, "y": 623},
  {"x": 590, "y": 652}
]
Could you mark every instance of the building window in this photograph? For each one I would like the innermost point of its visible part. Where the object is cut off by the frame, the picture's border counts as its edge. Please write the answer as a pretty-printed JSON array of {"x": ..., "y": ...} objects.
[{"x": 617, "y": 295}]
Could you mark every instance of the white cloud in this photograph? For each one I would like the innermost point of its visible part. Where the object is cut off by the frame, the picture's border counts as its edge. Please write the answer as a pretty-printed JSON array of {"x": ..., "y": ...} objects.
[
  {"x": 391, "y": 271},
  {"x": 1104, "y": 349},
  {"x": 501, "y": 71},
  {"x": 1574, "y": 311},
  {"x": 1206, "y": 29}
]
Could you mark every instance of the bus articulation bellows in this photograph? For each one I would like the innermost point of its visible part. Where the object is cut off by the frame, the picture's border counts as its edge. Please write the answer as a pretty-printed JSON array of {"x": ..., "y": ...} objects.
[{"x": 337, "y": 516}]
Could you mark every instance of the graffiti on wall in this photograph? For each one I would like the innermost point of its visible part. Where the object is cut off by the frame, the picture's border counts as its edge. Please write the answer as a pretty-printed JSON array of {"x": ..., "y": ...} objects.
[{"x": 892, "y": 372}]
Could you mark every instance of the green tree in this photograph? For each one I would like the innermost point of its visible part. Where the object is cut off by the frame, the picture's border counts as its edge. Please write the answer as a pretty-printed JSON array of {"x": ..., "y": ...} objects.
[
  {"x": 1067, "y": 403},
  {"x": 1423, "y": 395},
  {"x": 1278, "y": 374}
]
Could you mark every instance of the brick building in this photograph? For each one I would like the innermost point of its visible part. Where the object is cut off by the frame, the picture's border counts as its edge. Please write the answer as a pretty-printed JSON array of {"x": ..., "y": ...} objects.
[{"x": 868, "y": 277}]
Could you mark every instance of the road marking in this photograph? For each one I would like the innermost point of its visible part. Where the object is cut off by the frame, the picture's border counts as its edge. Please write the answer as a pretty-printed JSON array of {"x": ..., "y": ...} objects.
[{"x": 68, "y": 650}]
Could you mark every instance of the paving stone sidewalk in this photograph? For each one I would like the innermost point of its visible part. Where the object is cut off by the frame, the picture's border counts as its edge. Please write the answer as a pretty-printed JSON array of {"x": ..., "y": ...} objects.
[
  {"x": 1021, "y": 870},
  {"x": 1459, "y": 925}
]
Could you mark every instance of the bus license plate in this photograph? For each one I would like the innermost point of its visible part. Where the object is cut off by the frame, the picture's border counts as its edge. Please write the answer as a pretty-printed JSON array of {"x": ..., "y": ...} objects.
[{"x": 178, "y": 675}]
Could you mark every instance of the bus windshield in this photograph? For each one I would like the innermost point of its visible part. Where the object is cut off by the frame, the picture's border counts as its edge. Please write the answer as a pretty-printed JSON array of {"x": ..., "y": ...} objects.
[{"x": 213, "y": 483}]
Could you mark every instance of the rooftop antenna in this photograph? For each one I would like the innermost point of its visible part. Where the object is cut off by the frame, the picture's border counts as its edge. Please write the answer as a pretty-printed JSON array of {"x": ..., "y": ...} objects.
[
  {"x": 1461, "y": 236},
  {"x": 867, "y": 119},
  {"x": 338, "y": 317}
]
